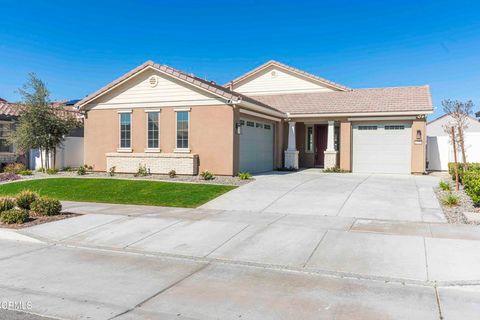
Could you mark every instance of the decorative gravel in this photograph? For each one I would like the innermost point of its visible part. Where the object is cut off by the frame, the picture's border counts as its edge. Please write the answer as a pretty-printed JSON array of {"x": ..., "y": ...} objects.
[
  {"x": 221, "y": 180},
  {"x": 454, "y": 214}
]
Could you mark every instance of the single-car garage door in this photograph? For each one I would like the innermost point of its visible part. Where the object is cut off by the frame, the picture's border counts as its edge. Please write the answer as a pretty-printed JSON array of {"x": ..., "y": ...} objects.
[
  {"x": 382, "y": 147},
  {"x": 256, "y": 146}
]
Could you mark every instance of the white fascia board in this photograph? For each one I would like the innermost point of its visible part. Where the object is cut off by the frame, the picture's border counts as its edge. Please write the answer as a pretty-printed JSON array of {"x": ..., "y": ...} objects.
[
  {"x": 366, "y": 114},
  {"x": 259, "y": 115}
]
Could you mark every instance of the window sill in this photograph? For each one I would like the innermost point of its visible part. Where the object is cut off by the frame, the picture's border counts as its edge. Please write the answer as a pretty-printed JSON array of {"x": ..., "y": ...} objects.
[
  {"x": 125, "y": 150},
  {"x": 152, "y": 150},
  {"x": 181, "y": 151}
]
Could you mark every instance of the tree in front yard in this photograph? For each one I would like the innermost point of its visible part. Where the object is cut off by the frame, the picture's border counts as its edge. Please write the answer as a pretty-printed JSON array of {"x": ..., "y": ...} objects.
[{"x": 41, "y": 126}]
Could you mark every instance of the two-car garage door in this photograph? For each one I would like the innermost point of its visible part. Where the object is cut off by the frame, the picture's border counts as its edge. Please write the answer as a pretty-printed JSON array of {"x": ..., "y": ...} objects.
[
  {"x": 382, "y": 147},
  {"x": 256, "y": 146}
]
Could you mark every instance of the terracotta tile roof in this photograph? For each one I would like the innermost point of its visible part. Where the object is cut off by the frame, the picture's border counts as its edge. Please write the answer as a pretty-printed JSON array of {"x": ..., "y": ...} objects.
[
  {"x": 294, "y": 70},
  {"x": 13, "y": 109},
  {"x": 9, "y": 109},
  {"x": 198, "y": 82},
  {"x": 396, "y": 99}
]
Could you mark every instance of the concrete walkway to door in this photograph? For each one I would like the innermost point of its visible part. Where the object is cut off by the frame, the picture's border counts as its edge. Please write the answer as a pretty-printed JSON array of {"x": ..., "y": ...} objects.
[{"x": 312, "y": 192}]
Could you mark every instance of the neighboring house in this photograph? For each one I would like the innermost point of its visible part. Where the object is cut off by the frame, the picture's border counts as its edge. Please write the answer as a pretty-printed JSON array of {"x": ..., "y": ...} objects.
[
  {"x": 69, "y": 154},
  {"x": 440, "y": 148},
  {"x": 9, "y": 114},
  {"x": 274, "y": 116}
]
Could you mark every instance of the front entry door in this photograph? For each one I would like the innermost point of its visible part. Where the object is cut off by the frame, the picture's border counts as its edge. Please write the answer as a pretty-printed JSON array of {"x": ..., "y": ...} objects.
[{"x": 321, "y": 132}]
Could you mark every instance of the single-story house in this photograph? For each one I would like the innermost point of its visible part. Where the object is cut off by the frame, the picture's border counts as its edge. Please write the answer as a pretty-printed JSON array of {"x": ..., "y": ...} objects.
[
  {"x": 440, "y": 147},
  {"x": 271, "y": 117},
  {"x": 69, "y": 154}
]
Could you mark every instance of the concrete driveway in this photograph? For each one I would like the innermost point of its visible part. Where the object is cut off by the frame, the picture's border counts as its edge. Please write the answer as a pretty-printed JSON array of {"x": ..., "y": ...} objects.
[{"x": 311, "y": 192}]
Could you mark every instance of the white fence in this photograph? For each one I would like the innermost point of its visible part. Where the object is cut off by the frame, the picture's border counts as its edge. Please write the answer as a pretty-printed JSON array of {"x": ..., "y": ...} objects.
[
  {"x": 70, "y": 154},
  {"x": 440, "y": 151}
]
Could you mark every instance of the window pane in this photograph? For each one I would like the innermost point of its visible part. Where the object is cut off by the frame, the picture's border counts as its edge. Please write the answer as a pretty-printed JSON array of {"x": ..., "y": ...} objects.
[
  {"x": 182, "y": 129},
  {"x": 309, "y": 138},
  {"x": 125, "y": 133},
  {"x": 153, "y": 130}
]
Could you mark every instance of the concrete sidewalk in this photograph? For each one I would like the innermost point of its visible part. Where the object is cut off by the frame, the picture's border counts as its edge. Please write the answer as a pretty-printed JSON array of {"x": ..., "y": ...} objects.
[
  {"x": 413, "y": 252},
  {"x": 139, "y": 262}
]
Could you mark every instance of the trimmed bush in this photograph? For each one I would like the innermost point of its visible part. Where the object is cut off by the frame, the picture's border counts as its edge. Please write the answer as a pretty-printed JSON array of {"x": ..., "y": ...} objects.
[
  {"x": 172, "y": 174},
  {"x": 25, "y": 173},
  {"x": 142, "y": 171},
  {"x": 245, "y": 176},
  {"x": 206, "y": 175},
  {"x": 471, "y": 183},
  {"x": 14, "y": 168},
  {"x": 6, "y": 204},
  {"x": 46, "y": 207},
  {"x": 82, "y": 171},
  {"x": 52, "y": 171},
  {"x": 14, "y": 216},
  {"x": 10, "y": 176},
  {"x": 25, "y": 199},
  {"x": 334, "y": 170},
  {"x": 445, "y": 186},
  {"x": 111, "y": 171},
  {"x": 473, "y": 166}
]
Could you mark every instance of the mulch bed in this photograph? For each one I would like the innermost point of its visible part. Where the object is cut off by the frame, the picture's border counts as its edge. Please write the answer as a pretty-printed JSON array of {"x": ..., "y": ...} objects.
[
  {"x": 454, "y": 214},
  {"x": 34, "y": 220}
]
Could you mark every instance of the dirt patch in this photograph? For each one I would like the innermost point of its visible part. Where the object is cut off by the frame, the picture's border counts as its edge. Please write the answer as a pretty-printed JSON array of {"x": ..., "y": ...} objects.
[{"x": 36, "y": 220}]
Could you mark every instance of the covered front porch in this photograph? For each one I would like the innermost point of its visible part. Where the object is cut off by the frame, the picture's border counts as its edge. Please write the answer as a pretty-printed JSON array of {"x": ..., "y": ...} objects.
[{"x": 318, "y": 143}]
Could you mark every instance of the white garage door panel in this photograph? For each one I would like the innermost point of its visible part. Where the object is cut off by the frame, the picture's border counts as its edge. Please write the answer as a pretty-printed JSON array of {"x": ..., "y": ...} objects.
[
  {"x": 256, "y": 147},
  {"x": 382, "y": 150}
]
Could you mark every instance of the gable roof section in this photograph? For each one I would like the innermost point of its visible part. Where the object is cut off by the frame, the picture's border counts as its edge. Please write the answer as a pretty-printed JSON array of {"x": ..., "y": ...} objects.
[
  {"x": 205, "y": 85},
  {"x": 307, "y": 75},
  {"x": 374, "y": 100}
]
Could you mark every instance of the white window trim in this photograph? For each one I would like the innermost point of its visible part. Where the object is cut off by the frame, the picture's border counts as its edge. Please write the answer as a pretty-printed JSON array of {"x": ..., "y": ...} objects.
[
  {"x": 147, "y": 149},
  {"x": 120, "y": 149},
  {"x": 313, "y": 138},
  {"x": 182, "y": 150}
]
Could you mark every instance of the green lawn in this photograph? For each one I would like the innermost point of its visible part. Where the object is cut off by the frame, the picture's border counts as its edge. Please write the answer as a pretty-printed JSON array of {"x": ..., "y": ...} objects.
[{"x": 154, "y": 193}]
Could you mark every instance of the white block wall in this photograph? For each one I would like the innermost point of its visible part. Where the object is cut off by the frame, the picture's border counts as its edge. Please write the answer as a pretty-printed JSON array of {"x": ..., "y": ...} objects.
[{"x": 160, "y": 163}]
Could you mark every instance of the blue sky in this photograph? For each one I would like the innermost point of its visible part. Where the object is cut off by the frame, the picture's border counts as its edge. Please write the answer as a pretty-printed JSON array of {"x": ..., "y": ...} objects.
[{"x": 79, "y": 46}]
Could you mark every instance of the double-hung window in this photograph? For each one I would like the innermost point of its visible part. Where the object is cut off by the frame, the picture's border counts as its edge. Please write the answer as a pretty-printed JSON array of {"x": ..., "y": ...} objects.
[
  {"x": 153, "y": 130},
  {"x": 183, "y": 119},
  {"x": 5, "y": 129},
  {"x": 125, "y": 131}
]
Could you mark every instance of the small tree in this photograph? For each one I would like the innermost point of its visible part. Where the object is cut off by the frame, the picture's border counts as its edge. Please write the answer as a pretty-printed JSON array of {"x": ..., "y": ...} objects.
[
  {"x": 460, "y": 113},
  {"x": 41, "y": 126}
]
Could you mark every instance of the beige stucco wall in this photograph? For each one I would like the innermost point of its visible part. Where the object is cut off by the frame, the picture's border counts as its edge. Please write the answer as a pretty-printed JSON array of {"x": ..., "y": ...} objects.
[
  {"x": 418, "y": 147},
  {"x": 211, "y": 135}
]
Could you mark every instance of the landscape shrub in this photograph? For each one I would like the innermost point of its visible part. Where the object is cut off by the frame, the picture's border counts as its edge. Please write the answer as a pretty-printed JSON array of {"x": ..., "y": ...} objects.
[
  {"x": 206, "y": 175},
  {"x": 172, "y": 174},
  {"x": 52, "y": 171},
  {"x": 335, "y": 170},
  {"x": 14, "y": 216},
  {"x": 451, "y": 200},
  {"x": 14, "y": 168},
  {"x": 471, "y": 184},
  {"x": 445, "y": 186},
  {"x": 25, "y": 173},
  {"x": 473, "y": 166},
  {"x": 245, "y": 176},
  {"x": 82, "y": 171},
  {"x": 142, "y": 171},
  {"x": 9, "y": 176},
  {"x": 25, "y": 199},
  {"x": 6, "y": 204},
  {"x": 111, "y": 171},
  {"x": 46, "y": 207}
]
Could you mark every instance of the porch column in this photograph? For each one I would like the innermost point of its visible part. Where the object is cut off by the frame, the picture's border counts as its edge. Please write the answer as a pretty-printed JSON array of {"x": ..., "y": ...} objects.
[
  {"x": 291, "y": 154},
  {"x": 330, "y": 153}
]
